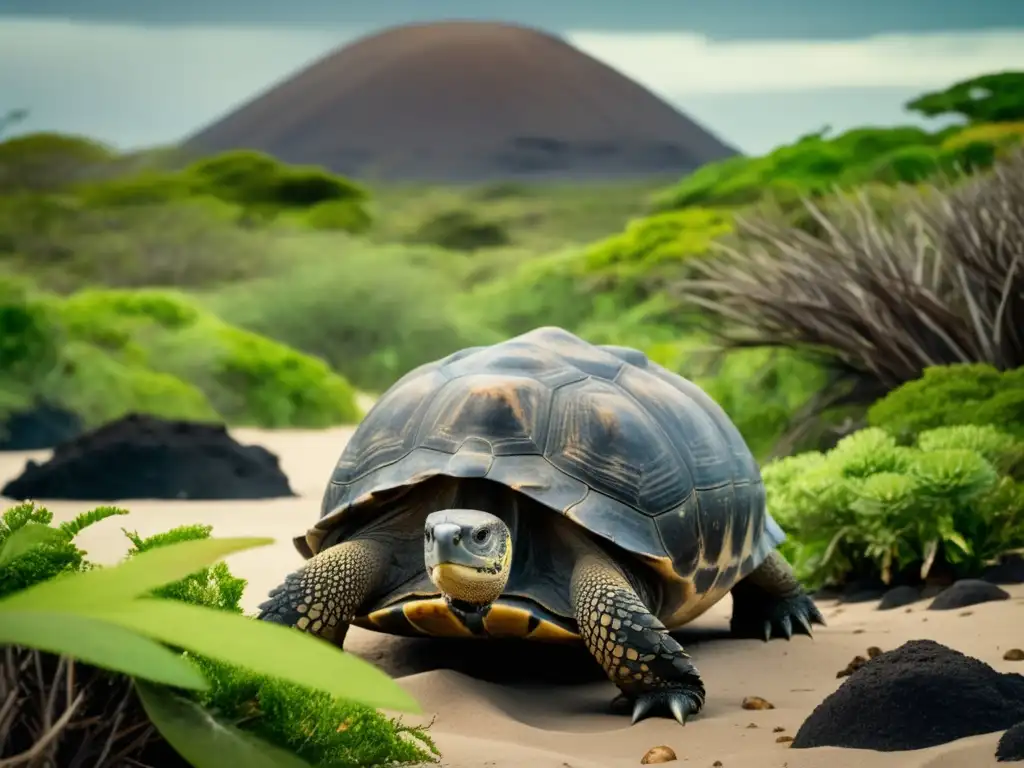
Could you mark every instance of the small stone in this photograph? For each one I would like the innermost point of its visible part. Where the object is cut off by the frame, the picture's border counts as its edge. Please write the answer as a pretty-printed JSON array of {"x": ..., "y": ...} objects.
[
  {"x": 1014, "y": 654},
  {"x": 783, "y": 739},
  {"x": 751, "y": 725},
  {"x": 898, "y": 597},
  {"x": 967, "y": 592},
  {"x": 716, "y": 764},
  {"x": 967, "y": 613},
  {"x": 855, "y": 663},
  {"x": 778, "y": 729},
  {"x": 661, "y": 754},
  {"x": 858, "y": 631},
  {"x": 756, "y": 702},
  {"x": 874, "y": 651}
]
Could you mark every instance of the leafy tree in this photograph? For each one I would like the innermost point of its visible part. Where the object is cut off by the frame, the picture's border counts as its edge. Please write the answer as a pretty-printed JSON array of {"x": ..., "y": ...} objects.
[{"x": 994, "y": 98}]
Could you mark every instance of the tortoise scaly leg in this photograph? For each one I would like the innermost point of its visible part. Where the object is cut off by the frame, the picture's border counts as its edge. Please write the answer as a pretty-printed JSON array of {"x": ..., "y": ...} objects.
[
  {"x": 322, "y": 596},
  {"x": 770, "y": 600},
  {"x": 650, "y": 668}
]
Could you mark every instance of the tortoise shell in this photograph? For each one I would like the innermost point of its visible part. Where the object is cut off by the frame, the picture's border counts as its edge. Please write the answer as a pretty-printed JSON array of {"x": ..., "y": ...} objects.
[{"x": 633, "y": 453}]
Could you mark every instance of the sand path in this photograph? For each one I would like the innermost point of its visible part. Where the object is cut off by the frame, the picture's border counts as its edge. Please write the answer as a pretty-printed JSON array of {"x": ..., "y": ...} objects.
[{"x": 545, "y": 707}]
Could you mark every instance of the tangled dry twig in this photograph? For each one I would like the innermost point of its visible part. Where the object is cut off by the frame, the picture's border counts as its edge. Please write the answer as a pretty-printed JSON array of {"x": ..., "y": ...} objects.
[
  {"x": 943, "y": 283},
  {"x": 56, "y": 713}
]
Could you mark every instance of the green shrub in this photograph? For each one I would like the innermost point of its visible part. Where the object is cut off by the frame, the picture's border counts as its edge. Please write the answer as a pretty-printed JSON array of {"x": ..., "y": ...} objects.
[
  {"x": 668, "y": 237},
  {"x": 247, "y": 379},
  {"x": 460, "y": 230},
  {"x": 872, "y": 508},
  {"x": 992, "y": 98},
  {"x": 222, "y": 712},
  {"x": 373, "y": 313},
  {"x": 338, "y": 216},
  {"x": 29, "y": 344},
  {"x": 103, "y": 354},
  {"x": 48, "y": 161},
  {"x": 263, "y": 187},
  {"x": 954, "y": 394},
  {"x": 907, "y": 165},
  {"x": 810, "y": 166},
  {"x": 66, "y": 243}
]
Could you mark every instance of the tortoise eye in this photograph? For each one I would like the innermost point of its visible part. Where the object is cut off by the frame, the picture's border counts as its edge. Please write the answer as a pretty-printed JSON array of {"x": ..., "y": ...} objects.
[{"x": 480, "y": 535}]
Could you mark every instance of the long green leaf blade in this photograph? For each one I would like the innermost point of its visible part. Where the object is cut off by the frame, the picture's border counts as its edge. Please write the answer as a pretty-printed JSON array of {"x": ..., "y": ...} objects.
[
  {"x": 133, "y": 578},
  {"x": 101, "y": 644},
  {"x": 205, "y": 741},
  {"x": 27, "y": 537},
  {"x": 263, "y": 647}
]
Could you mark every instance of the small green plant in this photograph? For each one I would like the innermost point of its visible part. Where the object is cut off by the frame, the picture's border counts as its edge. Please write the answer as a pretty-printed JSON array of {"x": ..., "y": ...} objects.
[
  {"x": 872, "y": 508},
  {"x": 109, "y": 641},
  {"x": 948, "y": 395}
]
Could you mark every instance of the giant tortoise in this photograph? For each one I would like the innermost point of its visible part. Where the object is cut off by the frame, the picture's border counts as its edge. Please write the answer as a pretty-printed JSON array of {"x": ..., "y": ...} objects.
[{"x": 549, "y": 489}]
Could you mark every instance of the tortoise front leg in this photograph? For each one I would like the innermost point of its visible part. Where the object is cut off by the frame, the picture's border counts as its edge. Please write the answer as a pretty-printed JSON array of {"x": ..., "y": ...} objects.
[
  {"x": 322, "y": 597},
  {"x": 650, "y": 668},
  {"x": 770, "y": 601}
]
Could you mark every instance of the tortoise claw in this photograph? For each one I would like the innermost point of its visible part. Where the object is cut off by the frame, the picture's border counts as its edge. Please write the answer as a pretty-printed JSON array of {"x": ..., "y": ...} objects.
[
  {"x": 680, "y": 702},
  {"x": 781, "y": 617}
]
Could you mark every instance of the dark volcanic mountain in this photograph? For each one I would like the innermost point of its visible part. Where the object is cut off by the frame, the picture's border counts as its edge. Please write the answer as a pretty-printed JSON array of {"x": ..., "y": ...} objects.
[{"x": 466, "y": 101}]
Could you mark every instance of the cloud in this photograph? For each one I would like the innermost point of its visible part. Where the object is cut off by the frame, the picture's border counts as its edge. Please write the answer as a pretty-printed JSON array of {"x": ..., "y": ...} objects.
[
  {"x": 134, "y": 85},
  {"x": 681, "y": 64}
]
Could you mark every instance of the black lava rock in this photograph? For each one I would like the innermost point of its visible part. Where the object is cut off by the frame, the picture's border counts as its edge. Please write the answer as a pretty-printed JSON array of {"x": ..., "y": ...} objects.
[
  {"x": 967, "y": 592},
  {"x": 918, "y": 695},
  {"x": 143, "y": 457},
  {"x": 39, "y": 428},
  {"x": 1011, "y": 745},
  {"x": 1009, "y": 570},
  {"x": 897, "y": 597}
]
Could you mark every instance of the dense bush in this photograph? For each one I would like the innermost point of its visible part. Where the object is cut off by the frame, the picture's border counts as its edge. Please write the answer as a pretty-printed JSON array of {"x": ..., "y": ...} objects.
[
  {"x": 880, "y": 301},
  {"x": 460, "y": 230},
  {"x": 873, "y": 509},
  {"x": 946, "y": 396},
  {"x": 110, "y": 721},
  {"x": 48, "y": 161},
  {"x": 102, "y": 354},
  {"x": 992, "y": 98},
  {"x": 815, "y": 165},
  {"x": 263, "y": 187},
  {"x": 371, "y": 313},
  {"x": 66, "y": 243}
]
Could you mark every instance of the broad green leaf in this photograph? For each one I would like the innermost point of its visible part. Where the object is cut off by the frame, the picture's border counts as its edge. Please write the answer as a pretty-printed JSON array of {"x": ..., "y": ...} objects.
[
  {"x": 27, "y": 537},
  {"x": 133, "y": 578},
  {"x": 263, "y": 647},
  {"x": 205, "y": 741},
  {"x": 99, "y": 643}
]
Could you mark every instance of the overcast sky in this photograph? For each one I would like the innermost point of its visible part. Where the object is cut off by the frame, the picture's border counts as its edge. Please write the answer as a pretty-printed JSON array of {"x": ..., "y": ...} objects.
[{"x": 142, "y": 73}]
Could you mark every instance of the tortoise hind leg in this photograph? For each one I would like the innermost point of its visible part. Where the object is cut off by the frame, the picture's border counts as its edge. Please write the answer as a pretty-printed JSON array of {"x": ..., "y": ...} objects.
[
  {"x": 650, "y": 668},
  {"x": 771, "y": 601},
  {"x": 323, "y": 596}
]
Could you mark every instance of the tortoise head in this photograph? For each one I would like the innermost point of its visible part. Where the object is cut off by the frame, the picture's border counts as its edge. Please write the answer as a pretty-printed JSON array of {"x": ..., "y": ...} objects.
[{"x": 468, "y": 554}]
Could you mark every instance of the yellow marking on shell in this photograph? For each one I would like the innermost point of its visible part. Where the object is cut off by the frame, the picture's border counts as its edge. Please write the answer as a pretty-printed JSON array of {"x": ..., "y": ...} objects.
[
  {"x": 507, "y": 621},
  {"x": 552, "y": 633},
  {"x": 434, "y": 617}
]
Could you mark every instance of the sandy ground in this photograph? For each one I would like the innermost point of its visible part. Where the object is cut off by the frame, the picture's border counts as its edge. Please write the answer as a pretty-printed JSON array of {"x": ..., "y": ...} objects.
[{"x": 546, "y": 707}]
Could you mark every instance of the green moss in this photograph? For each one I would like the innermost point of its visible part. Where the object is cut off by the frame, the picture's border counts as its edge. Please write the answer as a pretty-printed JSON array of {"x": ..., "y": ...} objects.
[
  {"x": 872, "y": 508},
  {"x": 950, "y": 395}
]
